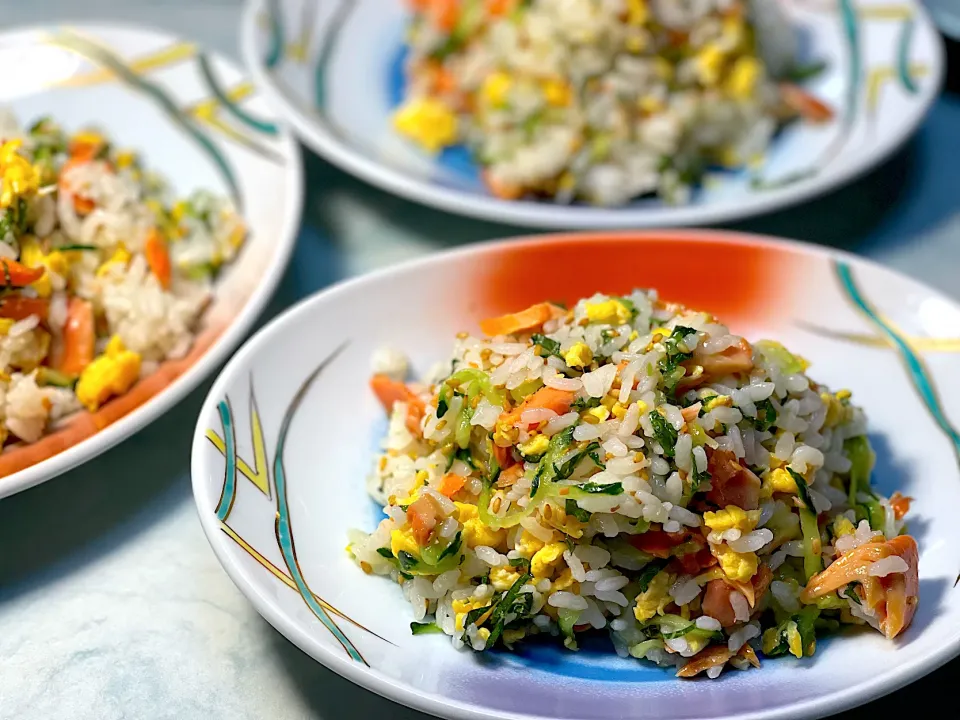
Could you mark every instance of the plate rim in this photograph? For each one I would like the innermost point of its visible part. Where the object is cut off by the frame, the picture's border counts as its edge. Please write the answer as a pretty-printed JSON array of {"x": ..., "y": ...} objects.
[
  {"x": 235, "y": 332},
  {"x": 553, "y": 216},
  {"x": 397, "y": 691}
]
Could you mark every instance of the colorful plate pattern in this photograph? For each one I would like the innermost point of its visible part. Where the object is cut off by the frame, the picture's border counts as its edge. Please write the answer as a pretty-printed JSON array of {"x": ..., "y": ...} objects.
[
  {"x": 286, "y": 437},
  {"x": 334, "y": 69},
  {"x": 197, "y": 121}
]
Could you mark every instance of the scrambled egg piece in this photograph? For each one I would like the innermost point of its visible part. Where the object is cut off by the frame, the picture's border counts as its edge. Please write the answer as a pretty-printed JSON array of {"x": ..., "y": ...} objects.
[
  {"x": 736, "y": 566},
  {"x": 651, "y": 104},
  {"x": 716, "y": 401},
  {"x": 779, "y": 480},
  {"x": 744, "y": 75},
  {"x": 503, "y": 578},
  {"x": 537, "y": 445},
  {"x": 462, "y": 607},
  {"x": 565, "y": 581},
  {"x": 578, "y": 356},
  {"x": 495, "y": 88},
  {"x": 5, "y": 325},
  {"x": 556, "y": 517},
  {"x": 466, "y": 511},
  {"x": 120, "y": 258},
  {"x": 596, "y": 415},
  {"x": 32, "y": 255},
  {"x": 404, "y": 540},
  {"x": 842, "y": 526},
  {"x": 528, "y": 544},
  {"x": 476, "y": 533},
  {"x": 837, "y": 412},
  {"x": 637, "y": 12},
  {"x": 655, "y": 598},
  {"x": 731, "y": 517},
  {"x": 557, "y": 92},
  {"x": 112, "y": 373},
  {"x": 428, "y": 122},
  {"x": 709, "y": 63},
  {"x": 18, "y": 175},
  {"x": 612, "y": 312},
  {"x": 546, "y": 559}
]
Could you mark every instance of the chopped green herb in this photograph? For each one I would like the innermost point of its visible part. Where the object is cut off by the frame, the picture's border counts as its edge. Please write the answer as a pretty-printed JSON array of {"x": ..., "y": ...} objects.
[
  {"x": 504, "y": 607},
  {"x": 453, "y": 548},
  {"x": 520, "y": 562},
  {"x": 766, "y": 415},
  {"x": 803, "y": 490},
  {"x": 408, "y": 561},
  {"x": 805, "y": 71},
  {"x": 418, "y": 628},
  {"x": 581, "y": 404},
  {"x": 69, "y": 248},
  {"x": 571, "y": 508},
  {"x": 475, "y": 615},
  {"x": 385, "y": 552},
  {"x": 851, "y": 592},
  {"x": 610, "y": 489},
  {"x": 664, "y": 433},
  {"x": 671, "y": 362},
  {"x": 550, "y": 347},
  {"x": 649, "y": 572},
  {"x": 697, "y": 478}
]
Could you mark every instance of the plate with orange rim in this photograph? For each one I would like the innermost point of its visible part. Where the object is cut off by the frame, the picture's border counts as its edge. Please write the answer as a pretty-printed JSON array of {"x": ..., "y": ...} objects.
[
  {"x": 178, "y": 113},
  {"x": 290, "y": 432}
]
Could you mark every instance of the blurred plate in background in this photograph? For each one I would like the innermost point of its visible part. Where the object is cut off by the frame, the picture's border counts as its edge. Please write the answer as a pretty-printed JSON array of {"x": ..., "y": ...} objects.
[
  {"x": 334, "y": 69},
  {"x": 194, "y": 119}
]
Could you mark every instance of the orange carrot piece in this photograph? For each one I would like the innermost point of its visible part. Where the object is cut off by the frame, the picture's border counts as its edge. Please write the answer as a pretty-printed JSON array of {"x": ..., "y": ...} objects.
[
  {"x": 501, "y": 189},
  {"x": 546, "y": 397},
  {"x": 900, "y": 505},
  {"x": 17, "y": 307},
  {"x": 79, "y": 337},
  {"x": 499, "y": 8},
  {"x": 158, "y": 257},
  {"x": 804, "y": 104},
  {"x": 451, "y": 484},
  {"x": 18, "y": 275},
  {"x": 390, "y": 391},
  {"x": 530, "y": 319},
  {"x": 445, "y": 14},
  {"x": 82, "y": 205}
]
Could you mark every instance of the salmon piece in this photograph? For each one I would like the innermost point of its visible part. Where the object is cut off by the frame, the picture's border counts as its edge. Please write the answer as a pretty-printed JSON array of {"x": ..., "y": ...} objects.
[
  {"x": 423, "y": 516},
  {"x": 503, "y": 456},
  {"x": 691, "y": 413},
  {"x": 390, "y": 391},
  {"x": 546, "y": 397},
  {"x": 893, "y": 599},
  {"x": 696, "y": 562},
  {"x": 716, "y": 603},
  {"x": 660, "y": 544},
  {"x": 732, "y": 484},
  {"x": 732, "y": 361},
  {"x": 704, "y": 660},
  {"x": 527, "y": 320},
  {"x": 510, "y": 476}
]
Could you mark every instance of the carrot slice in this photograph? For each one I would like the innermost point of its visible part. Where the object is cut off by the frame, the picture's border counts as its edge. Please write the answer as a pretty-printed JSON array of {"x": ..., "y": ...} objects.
[
  {"x": 499, "y": 8},
  {"x": 158, "y": 257},
  {"x": 900, "y": 505},
  {"x": 445, "y": 14},
  {"x": 704, "y": 660},
  {"x": 451, "y": 484},
  {"x": 18, "y": 275},
  {"x": 17, "y": 307},
  {"x": 530, "y": 319},
  {"x": 546, "y": 397},
  {"x": 804, "y": 104},
  {"x": 390, "y": 391},
  {"x": 79, "y": 337}
]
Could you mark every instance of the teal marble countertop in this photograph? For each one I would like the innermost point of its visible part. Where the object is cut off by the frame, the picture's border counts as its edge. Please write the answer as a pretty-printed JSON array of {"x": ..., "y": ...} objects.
[{"x": 112, "y": 605}]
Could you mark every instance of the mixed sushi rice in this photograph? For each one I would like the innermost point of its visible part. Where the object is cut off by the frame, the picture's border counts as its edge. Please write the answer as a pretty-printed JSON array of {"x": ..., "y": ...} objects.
[
  {"x": 105, "y": 275},
  {"x": 602, "y": 100},
  {"x": 633, "y": 467}
]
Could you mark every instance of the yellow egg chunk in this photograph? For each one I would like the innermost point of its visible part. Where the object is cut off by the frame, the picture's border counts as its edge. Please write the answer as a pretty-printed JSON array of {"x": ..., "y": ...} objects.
[
  {"x": 578, "y": 356},
  {"x": 736, "y": 566},
  {"x": 466, "y": 511},
  {"x": 403, "y": 540},
  {"x": 731, "y": 518},
  {"x": 655, "y": 598},
  {"x": 495, "y": 89},
  {"x": 709, "y": 64},
  {"x": 428, "y": 122},
  {"x": 557, "y": 92},
  {"x": 112, "y": 373},
  {"x": 503, "y": 578},
  {"x": 19, "y": 177},
  {"x": 120, "y": 258},
  {"x": 611, "y": 311},
  {"x": 476, "y": 533},
  {"x": 545, "y": 560},
  {"x": 535, "y": 446},
  {"x": 743, "y": 78},
  {"x": 527, "y": 545},
  {"x": 782, "y": 481}
]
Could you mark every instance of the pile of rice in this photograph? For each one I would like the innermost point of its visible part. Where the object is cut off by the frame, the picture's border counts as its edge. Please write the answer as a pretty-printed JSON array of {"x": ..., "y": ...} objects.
[
  {"x": 632, "y": 466},
  {"x": 105, "y": 274},
  {"x": 601, "y": 100}
]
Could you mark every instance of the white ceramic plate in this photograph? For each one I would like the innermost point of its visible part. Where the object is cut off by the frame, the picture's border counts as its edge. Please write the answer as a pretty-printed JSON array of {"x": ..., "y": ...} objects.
[
  {"x": 194, "y": 119},
  {"x": 288, "y": 433},
  {"x": 334, "y": 69}
]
